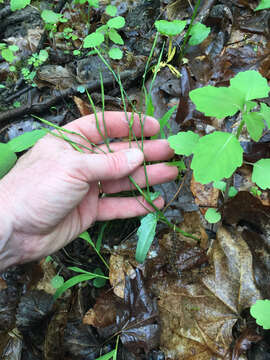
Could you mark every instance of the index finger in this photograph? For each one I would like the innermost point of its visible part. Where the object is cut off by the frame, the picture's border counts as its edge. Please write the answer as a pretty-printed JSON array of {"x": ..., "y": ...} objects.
[{"x": 117, "y": 125}]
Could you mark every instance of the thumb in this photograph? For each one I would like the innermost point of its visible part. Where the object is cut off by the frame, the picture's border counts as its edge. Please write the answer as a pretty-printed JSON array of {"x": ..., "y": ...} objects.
[{"x": 98, "y": 167}]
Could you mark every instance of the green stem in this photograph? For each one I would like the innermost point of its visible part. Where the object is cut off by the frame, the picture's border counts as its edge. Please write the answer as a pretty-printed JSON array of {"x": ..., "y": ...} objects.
[{"x": 183, "y": 47}]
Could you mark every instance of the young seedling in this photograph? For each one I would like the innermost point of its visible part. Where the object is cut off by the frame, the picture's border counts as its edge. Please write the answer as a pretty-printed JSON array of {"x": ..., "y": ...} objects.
[
  {"x": 217, "y": 156},
  {"x": 51, "y": 19},
  {"x": 107, "y": 32},
  {"x": 8, "y": 52}
]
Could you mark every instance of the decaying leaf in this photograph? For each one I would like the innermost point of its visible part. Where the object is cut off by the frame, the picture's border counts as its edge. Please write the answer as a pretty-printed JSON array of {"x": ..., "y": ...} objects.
[{"x": 205, "y": 195}]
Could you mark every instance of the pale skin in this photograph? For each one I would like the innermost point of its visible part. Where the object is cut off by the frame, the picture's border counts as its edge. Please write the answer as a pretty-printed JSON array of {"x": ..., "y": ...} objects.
[{"x": 52, "y": 194}]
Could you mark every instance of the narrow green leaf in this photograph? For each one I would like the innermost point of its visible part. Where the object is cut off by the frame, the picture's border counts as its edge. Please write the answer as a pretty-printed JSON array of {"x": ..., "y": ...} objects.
[
  {"x": 212, "y": 216},
  {"x": 251, "y": 83},
  {"x": 170, "y": 28},
  {"x": 198, "y": 33},
  {"x": 107, "y": 356},
  {"x": 264, "y": 4},
  {"x": 7, "y": 159},
  {"x": 26, "y": 140},
  {"x": 265, "y": 113},
  {"x": 93, "y": 40},
  {"x": 117, "y": 22},
  {"x": 184, "y": 142},
  {"x": 146, "y": 234},
  {"x": 216, "y": 156},
  {"x": 254, "y": 124},
  {"x": 219, "y": 102},
  {"x": 115, "y": 37},
  {"x": 164, "y": 122},
  {"x": 261, "y": 312},
  {"x": 71, "y": 282},
  {"x": 261, "y": 173}
]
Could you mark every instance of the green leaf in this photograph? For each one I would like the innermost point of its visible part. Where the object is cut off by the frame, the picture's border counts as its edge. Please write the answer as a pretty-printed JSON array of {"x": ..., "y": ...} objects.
[
  {"x": 164, "y": 122},
  {"x": 232, "y": 191},
  {"x": 117, "y": 23},
  {"x": 115, "y": 53},
  {"x": 43, "y": 55},
  {"x": 93, "y": 40},
  {"x": 99, "y": 282},
  {"x": 254, "y": 124},
  {"x": 219, "y": 102},
  {"x": 212, "y": 216},
  {"x": 13, "y": 48},
  {"x": 18, "y": 4},
  {"x": 107, "y": 356},
  {"x": 261, "y": 312},
  {"x": 93, "y": 3},
  {"x": 251, "y": 83},
  {"x": 8, "y": 55},
  {"x": 170, "y": 28},
  {"x": 50, "y": 17},
  {"x": 220, "y": 185},
  {"x": 264, "y": 4},
  {"x": 198, "y": 33},
  {"x": 71, "y": 282},
  {"x": 57, "y": 281},
  {"x": 261, "y": 173},
  {"x": 250, "y": 105},
  {"x": 216, "y": 156},
  {"x": 265, "y": 113},
  {"x": 184, "y": 142},
  {"x": 7, "y": 159},
  {"x": 115, "y": 37},
  {"x": 111, "y": 10},
  {"x": 26, "y": 140},
  {"x": 146, "y": 233}
]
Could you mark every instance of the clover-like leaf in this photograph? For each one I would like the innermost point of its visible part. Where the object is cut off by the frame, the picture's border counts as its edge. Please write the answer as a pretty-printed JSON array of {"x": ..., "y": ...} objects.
[
  {"x": 198, "y": 33},
  {"x": 217, "y": 101},
  {"x": 212, "y": 216},
  {"x": 264, "y": 4},
  {"x": 146, "y": 233},
  {"x": 261, "y": 173},
  {"x": 254, "y": 124},
  {"x": 251, "y": 83},
  {"x": 184, "y": 142},
  {"x": 261, "y": 312},
  {"x": 265, "y": 113},
  {"x": 216, "y": 156},
  {"x": 170, "y": 28},
  {"x": 93, "y": 40}
]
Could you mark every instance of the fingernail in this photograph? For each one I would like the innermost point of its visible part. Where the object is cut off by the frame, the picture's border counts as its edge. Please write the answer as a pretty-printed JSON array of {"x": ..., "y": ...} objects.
[{"x": 134, "y": 157}]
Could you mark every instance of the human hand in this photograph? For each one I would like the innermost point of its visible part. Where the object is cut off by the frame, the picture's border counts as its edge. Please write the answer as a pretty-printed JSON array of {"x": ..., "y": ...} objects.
[{"x": 52, "y": 194}]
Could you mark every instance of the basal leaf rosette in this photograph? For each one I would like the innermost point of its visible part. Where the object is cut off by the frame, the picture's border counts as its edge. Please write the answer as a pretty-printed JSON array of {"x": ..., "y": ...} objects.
[
  {"x": 261, "y": 173},
  {"x": 216, "y": 156}
]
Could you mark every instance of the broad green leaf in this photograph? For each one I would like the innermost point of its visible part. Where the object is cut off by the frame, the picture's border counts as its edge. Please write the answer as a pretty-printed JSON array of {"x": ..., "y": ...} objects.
[
  {"x": 117, "y": 22},
  {"x": 115, "y": 37},
  {"x": 26, "y": 140},
  {"x": 198, "y": 33},
  {"x": 93, "y": 40},
  {"x": 107, "y": 356},
  {"x": 111, "y": 10},
  {"x": 99, "y": 282},
  {"x": 8, "y": 55},
  {"x": 71, "y": 282},
  {"x": 261, "y": 312},
  {"x": 264, "y": 4},
  {"x": 57, "y": 281},
  {"x": 251, "y": 83},
  {"x": 18, "y": 4},
  {"x": 212, "y": 216},
  {"x": 217, "y": 101},
  {"x": 115, "y": 53},
  {"x": 254, "y": 124},
  {"x": 50, "y": 17},
  {"x": 170, "y": 28},
  {"x": 265, "y": 112},
  {"x": 93, "y": 3},
  {"x": 220, "y": 185},
  {"x": 261, "y": 173},
  {"x": 216, "y": 156},
  {"x": 184, "y": 142},
  {"x": 146, "y": 234},
  {"x": 7, "y": 159}
]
